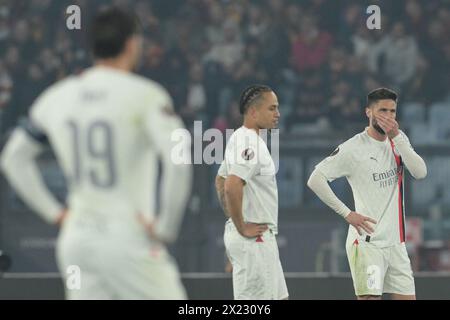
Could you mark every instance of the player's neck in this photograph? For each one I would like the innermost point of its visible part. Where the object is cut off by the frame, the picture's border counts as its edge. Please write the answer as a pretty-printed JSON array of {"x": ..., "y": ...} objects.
[
  {"x": 115, "y": 63},
  {"x": 373, "y": 133},
  {"x": 250, "y": 125}
]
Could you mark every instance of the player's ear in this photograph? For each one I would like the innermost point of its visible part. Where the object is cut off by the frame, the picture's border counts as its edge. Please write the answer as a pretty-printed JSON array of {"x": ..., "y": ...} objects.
[
  {"x": 252, "y": 111},
  {"x": 128, "y": 46},
  {"x": 368, "y": 112},
  {"x": 132, "y": 45}
]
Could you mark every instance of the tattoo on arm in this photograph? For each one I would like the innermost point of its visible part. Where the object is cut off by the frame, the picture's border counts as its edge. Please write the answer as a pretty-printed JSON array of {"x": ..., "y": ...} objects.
[{"x": 220, "y": 188}]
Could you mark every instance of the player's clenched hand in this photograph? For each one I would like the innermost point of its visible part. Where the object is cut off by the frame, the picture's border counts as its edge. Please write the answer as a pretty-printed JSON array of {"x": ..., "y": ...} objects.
[
  {"x": 149, "y": 227},
  {"x": 251, "y": 230},
  {"x": 389, "y": 125},
  {"x": 62, "y": 216},
  {"x": 360, "y": 222}
]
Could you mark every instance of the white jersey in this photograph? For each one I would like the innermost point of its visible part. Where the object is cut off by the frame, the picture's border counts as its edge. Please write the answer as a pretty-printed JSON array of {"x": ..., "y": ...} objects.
[
  {"x": 107, "y": 128},
  {"x": 375, "y": 174},
  {"x": 248, "y": 157}
]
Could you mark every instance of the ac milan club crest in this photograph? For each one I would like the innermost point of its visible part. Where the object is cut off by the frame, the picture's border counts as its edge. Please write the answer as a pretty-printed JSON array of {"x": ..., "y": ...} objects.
[{"x": 248, "y": 154}]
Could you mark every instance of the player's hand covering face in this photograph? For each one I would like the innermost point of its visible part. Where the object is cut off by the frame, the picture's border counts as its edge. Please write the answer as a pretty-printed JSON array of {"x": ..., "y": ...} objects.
[
  {"x": 382, "y": 116},
  {"x": 389, "y": 125}
]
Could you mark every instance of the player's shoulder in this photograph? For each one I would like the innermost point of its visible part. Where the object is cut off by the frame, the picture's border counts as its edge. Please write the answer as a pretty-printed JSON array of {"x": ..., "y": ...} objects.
[
  {"x": 148, "y": 86},
  {"x": 236, "y": 133},
  {"x": 351, "y": 143},
  {"x": 54, "y": 94},
  {"x": 60, "y": 87},
  {"x": 245, "y": 132},
  {"x": 124, "y": 81},
  {"x": 243, "y": 136},
  {"x": 352, "y": 148},
  {"x": 359, "y": 141},
  {"x": 153, "y": 96}
]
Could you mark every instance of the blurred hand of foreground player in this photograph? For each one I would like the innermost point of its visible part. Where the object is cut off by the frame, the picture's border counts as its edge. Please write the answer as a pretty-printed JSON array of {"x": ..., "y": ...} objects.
[
  {"x": 360, "y": 222},
  {"x": 149, "y": 227},
  {"x": 62, "y": 216}
]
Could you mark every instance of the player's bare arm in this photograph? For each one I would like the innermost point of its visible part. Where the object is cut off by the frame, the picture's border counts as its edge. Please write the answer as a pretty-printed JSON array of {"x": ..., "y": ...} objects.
[
  {"x": 234, "y": 191},
  {"x": 220, "y": 189}
]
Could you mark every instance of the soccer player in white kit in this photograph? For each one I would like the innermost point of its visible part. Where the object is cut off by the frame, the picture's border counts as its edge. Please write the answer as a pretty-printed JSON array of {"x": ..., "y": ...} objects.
[
  {"x": 247, "y": 190},
  {"x": 373, "y": 162},
  {"x": 108, "y": 127}
]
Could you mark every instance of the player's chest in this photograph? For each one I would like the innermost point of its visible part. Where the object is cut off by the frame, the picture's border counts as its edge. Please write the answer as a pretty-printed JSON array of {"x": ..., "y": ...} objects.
[
  {"x": 267, "y": 169},
  {"x": 378, "y": 168}
]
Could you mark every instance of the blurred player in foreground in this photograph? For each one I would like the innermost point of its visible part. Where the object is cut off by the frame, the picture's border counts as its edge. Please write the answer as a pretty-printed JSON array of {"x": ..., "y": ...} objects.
[
  {"x": 373, "y": 162},
  {"x": 247, "y": 190},
  {"x": 107, "y": 128}
]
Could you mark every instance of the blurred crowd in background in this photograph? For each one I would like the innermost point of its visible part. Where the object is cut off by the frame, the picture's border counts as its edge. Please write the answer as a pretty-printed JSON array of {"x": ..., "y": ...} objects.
[{"x": 318, "y": 55}]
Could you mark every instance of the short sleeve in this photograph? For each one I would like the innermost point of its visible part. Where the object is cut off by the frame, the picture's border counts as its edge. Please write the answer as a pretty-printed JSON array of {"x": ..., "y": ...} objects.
[
  {"x": 337, "y": 164},
  {"x": 222, "y": 170},
  {"x": 243, "y": 158}
]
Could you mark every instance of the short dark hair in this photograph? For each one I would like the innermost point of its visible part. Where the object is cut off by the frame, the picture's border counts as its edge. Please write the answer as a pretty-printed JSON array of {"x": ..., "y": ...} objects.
[
  {"x": 109, "y": 31},
  {"x": 380, "y": 94},
  {"x": 250, "y": 95}
]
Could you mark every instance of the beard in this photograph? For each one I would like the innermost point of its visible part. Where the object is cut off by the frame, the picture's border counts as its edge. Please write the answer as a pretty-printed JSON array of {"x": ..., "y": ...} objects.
[{"x": 377, "y": 127}]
